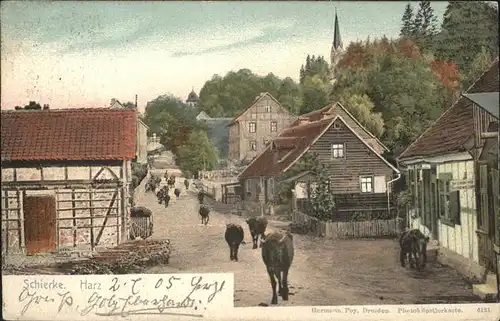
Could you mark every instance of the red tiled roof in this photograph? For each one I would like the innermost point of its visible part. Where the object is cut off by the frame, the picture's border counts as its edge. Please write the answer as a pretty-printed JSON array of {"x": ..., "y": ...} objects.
[
  {"x": 291, "y": 144},
  {"x": 68, "y": 134},
  {"x": 453, "y": 128}
]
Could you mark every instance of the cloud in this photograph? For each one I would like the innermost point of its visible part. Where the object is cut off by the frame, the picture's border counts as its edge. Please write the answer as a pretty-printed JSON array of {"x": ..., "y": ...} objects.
[{"x": 267, "y": 35}]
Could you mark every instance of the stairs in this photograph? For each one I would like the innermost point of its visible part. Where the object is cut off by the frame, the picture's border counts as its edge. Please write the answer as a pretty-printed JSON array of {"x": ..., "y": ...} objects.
[{"x": 488, "y": 290}]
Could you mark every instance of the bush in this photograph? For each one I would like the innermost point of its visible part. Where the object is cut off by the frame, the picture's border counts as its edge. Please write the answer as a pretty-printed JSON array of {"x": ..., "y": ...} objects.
[{"x": 139, "y": 171}]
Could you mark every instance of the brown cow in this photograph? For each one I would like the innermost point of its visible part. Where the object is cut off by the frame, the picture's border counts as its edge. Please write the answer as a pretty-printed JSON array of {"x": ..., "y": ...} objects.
[
  {"x": 277, "y": 254},
  {"x": 413, "y": 244},
  {"x": 257, "y": 226},
  {"x": 234, "y": 236},
  {"x": 204, "y": 212}
]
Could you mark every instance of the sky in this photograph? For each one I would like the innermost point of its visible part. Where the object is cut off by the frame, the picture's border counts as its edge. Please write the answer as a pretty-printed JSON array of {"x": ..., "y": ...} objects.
[{"x": 81, "y": 54}]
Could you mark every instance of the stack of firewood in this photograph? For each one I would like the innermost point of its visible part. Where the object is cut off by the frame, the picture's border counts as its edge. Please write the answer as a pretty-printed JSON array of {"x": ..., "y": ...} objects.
[{"x": 129, "y": 257}]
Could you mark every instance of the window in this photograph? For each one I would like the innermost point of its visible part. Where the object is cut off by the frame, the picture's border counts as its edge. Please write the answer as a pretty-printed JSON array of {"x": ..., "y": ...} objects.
[
  {"x": 449, "y": 201},
  {"x": 338, "y": 150},
  {"x": 337, "y": 126},
  {"x": 252, "y": 127},
  {"x": 247, "y": 186},
  {"x": 267, "y": 109},
  {"x": 366, "y": 184},
  {"x": 253, "y": 145},
  {"x": 274, "y": 126}
]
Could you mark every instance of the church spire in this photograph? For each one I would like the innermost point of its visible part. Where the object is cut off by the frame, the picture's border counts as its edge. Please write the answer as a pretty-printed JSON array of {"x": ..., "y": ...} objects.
[{"x": 337, "y": 41}]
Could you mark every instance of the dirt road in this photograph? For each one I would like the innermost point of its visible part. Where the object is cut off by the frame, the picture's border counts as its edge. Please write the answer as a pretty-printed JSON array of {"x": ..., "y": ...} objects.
[{"x": 324, "y": 272}]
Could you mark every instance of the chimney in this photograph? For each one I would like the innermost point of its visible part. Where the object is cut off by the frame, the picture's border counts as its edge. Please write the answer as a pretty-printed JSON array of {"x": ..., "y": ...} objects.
[
  {"x": 135, "y": 101},
  {"x": 45, "y": 106}
]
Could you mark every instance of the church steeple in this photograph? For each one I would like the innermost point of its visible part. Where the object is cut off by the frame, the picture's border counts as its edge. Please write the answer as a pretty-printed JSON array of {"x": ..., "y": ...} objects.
[
  {"x": 337, "y": 47},
  {"x": 337, "y": 41}
]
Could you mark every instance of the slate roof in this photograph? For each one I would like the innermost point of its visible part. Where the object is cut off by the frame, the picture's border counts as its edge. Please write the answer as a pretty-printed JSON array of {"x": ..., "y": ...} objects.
[
  {"x": 452, "y": 129},
  {"x": 68, "y": 134},
  {"x": 330, "y": 109},
  {"x": 292, "y": 143}
]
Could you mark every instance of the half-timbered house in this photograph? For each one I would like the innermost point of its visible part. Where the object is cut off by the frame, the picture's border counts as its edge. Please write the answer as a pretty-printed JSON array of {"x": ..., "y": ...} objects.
[
  {"x": 251, "y": 130},
  {"x": 65, "y": 178},
  {"x": 359, "y": 175},
  {"x": 450, "y": 181}
]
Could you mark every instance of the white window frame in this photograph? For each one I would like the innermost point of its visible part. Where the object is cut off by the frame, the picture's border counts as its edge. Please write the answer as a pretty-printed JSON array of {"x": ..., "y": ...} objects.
[
  {"x": 274, "y": 126},
  {"x": 267, "y": 109},
  {"x": 366, "y": 184},
  {"x": 247, "y": 186},
  {"x": 252, "y": 125},
  {"x": 253, "y": 145},
  {"x": 334, "y": 148}
]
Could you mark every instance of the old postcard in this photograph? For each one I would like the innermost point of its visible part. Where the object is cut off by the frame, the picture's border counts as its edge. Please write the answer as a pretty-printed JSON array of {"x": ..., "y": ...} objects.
[{"x": 238, "y": 160}]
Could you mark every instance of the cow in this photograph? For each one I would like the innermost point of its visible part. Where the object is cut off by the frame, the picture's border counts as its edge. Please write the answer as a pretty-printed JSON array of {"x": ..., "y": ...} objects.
[
  {"x": 186, "y": 183},
  {"x": 413, "y": 244},
  {"x": 171, "y": 181},
  {"x": 201, "y": 196},
  {"x": 204, "y": 212},
  {"x": 277, "y": 254},
  {"x": 257, "y": 226},
  {"x": 234, "y": 236},
  {"x": 177, "y": 192},
  {"x": 163, "y": 196}
]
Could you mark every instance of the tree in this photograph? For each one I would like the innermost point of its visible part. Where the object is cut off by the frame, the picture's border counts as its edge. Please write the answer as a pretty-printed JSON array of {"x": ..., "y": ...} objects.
[
  {"x": 467, "y": 27},
  {"x": 361, "y": 107},
  {"x": 424, "y": 26},
  {"x": 196, "y": 154},
  {"x": 407, "y": 28},
  {"x": 321, "y": 199},
  {"x": 227, "y": 96},
  {"x": 315, "y": 94},
  {"x": 32, "y": 105},
  {"x": 481, "y": 63},
  {"x": 171, "y": 119}
]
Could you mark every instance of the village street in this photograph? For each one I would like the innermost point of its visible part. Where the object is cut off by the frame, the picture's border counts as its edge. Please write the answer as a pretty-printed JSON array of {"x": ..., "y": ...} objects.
[{"x": 324, "y": 272}]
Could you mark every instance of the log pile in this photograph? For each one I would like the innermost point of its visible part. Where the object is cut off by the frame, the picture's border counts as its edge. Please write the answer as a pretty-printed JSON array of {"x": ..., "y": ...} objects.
[{"x": 129, "y": 257}]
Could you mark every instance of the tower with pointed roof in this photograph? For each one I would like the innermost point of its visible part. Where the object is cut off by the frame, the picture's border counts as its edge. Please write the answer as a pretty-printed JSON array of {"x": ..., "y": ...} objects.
[
  {"x": 192, "y": 99},
  {"x": 337, "y": 48}
]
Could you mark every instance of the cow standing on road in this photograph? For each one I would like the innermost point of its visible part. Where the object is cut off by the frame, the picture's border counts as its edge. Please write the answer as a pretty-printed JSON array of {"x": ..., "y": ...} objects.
[
  {"x": 413, "y": 244},
  {"x": 204, "y": 212},
  {"x": 277, "y": 254},
  {"x": 177, "y": 192},
  {"x": 201, "y": 196},
  {"x": 186, "y": 183},
  {"x": 163, "y": 196},
  {"x": 234, "y": 236},
  {"x": 257, "y": 227}
]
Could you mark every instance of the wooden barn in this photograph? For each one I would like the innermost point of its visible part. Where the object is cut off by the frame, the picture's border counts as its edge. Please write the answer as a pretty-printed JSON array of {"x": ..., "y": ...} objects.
[
  {"x": 360, "y": 178},
  {"x": 65, "y": 178},
  {"x": 453, "y": 179}
]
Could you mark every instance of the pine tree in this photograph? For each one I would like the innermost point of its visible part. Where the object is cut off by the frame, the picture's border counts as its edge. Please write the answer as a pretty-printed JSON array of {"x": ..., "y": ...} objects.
[
  {"x": 406, "y": 29},
  {"x": 424, "y": 26}
]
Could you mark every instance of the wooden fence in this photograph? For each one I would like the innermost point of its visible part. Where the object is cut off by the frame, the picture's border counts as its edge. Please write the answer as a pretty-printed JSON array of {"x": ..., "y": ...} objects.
[{"x": 353, "y": 229}]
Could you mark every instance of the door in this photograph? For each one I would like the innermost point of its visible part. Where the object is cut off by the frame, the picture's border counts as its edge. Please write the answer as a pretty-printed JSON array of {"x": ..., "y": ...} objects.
[{"x": 40, "y": 224}]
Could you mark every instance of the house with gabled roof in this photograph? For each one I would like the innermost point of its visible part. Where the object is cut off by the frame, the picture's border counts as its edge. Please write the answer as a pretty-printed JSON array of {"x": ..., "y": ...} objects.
[
  {"x": 66, "y": 175},
  {"x": 359, "y": 175},
  {"x": 254, "y": 127},
  {"x": 449, "y": 184},
  {"x": 141, "y": 142}
]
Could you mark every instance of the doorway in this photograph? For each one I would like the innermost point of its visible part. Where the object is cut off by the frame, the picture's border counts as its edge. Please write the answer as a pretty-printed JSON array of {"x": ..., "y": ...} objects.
[{"x": 40, "y": 224}]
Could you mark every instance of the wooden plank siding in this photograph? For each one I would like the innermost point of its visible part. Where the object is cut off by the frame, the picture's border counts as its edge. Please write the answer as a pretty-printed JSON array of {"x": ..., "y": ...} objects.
[
  {"x": 357, "y": 128},
  {"x": 359, "y": 160}
]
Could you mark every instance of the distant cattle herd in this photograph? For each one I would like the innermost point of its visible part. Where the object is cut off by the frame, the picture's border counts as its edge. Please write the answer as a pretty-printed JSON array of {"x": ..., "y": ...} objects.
[{"x": 277, "y": 247}]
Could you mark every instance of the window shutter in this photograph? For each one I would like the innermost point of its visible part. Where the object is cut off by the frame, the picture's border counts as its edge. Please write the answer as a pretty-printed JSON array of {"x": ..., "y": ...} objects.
[
  {"x": 455, "y": 206},
  {"x": 483, "y": 190}
]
